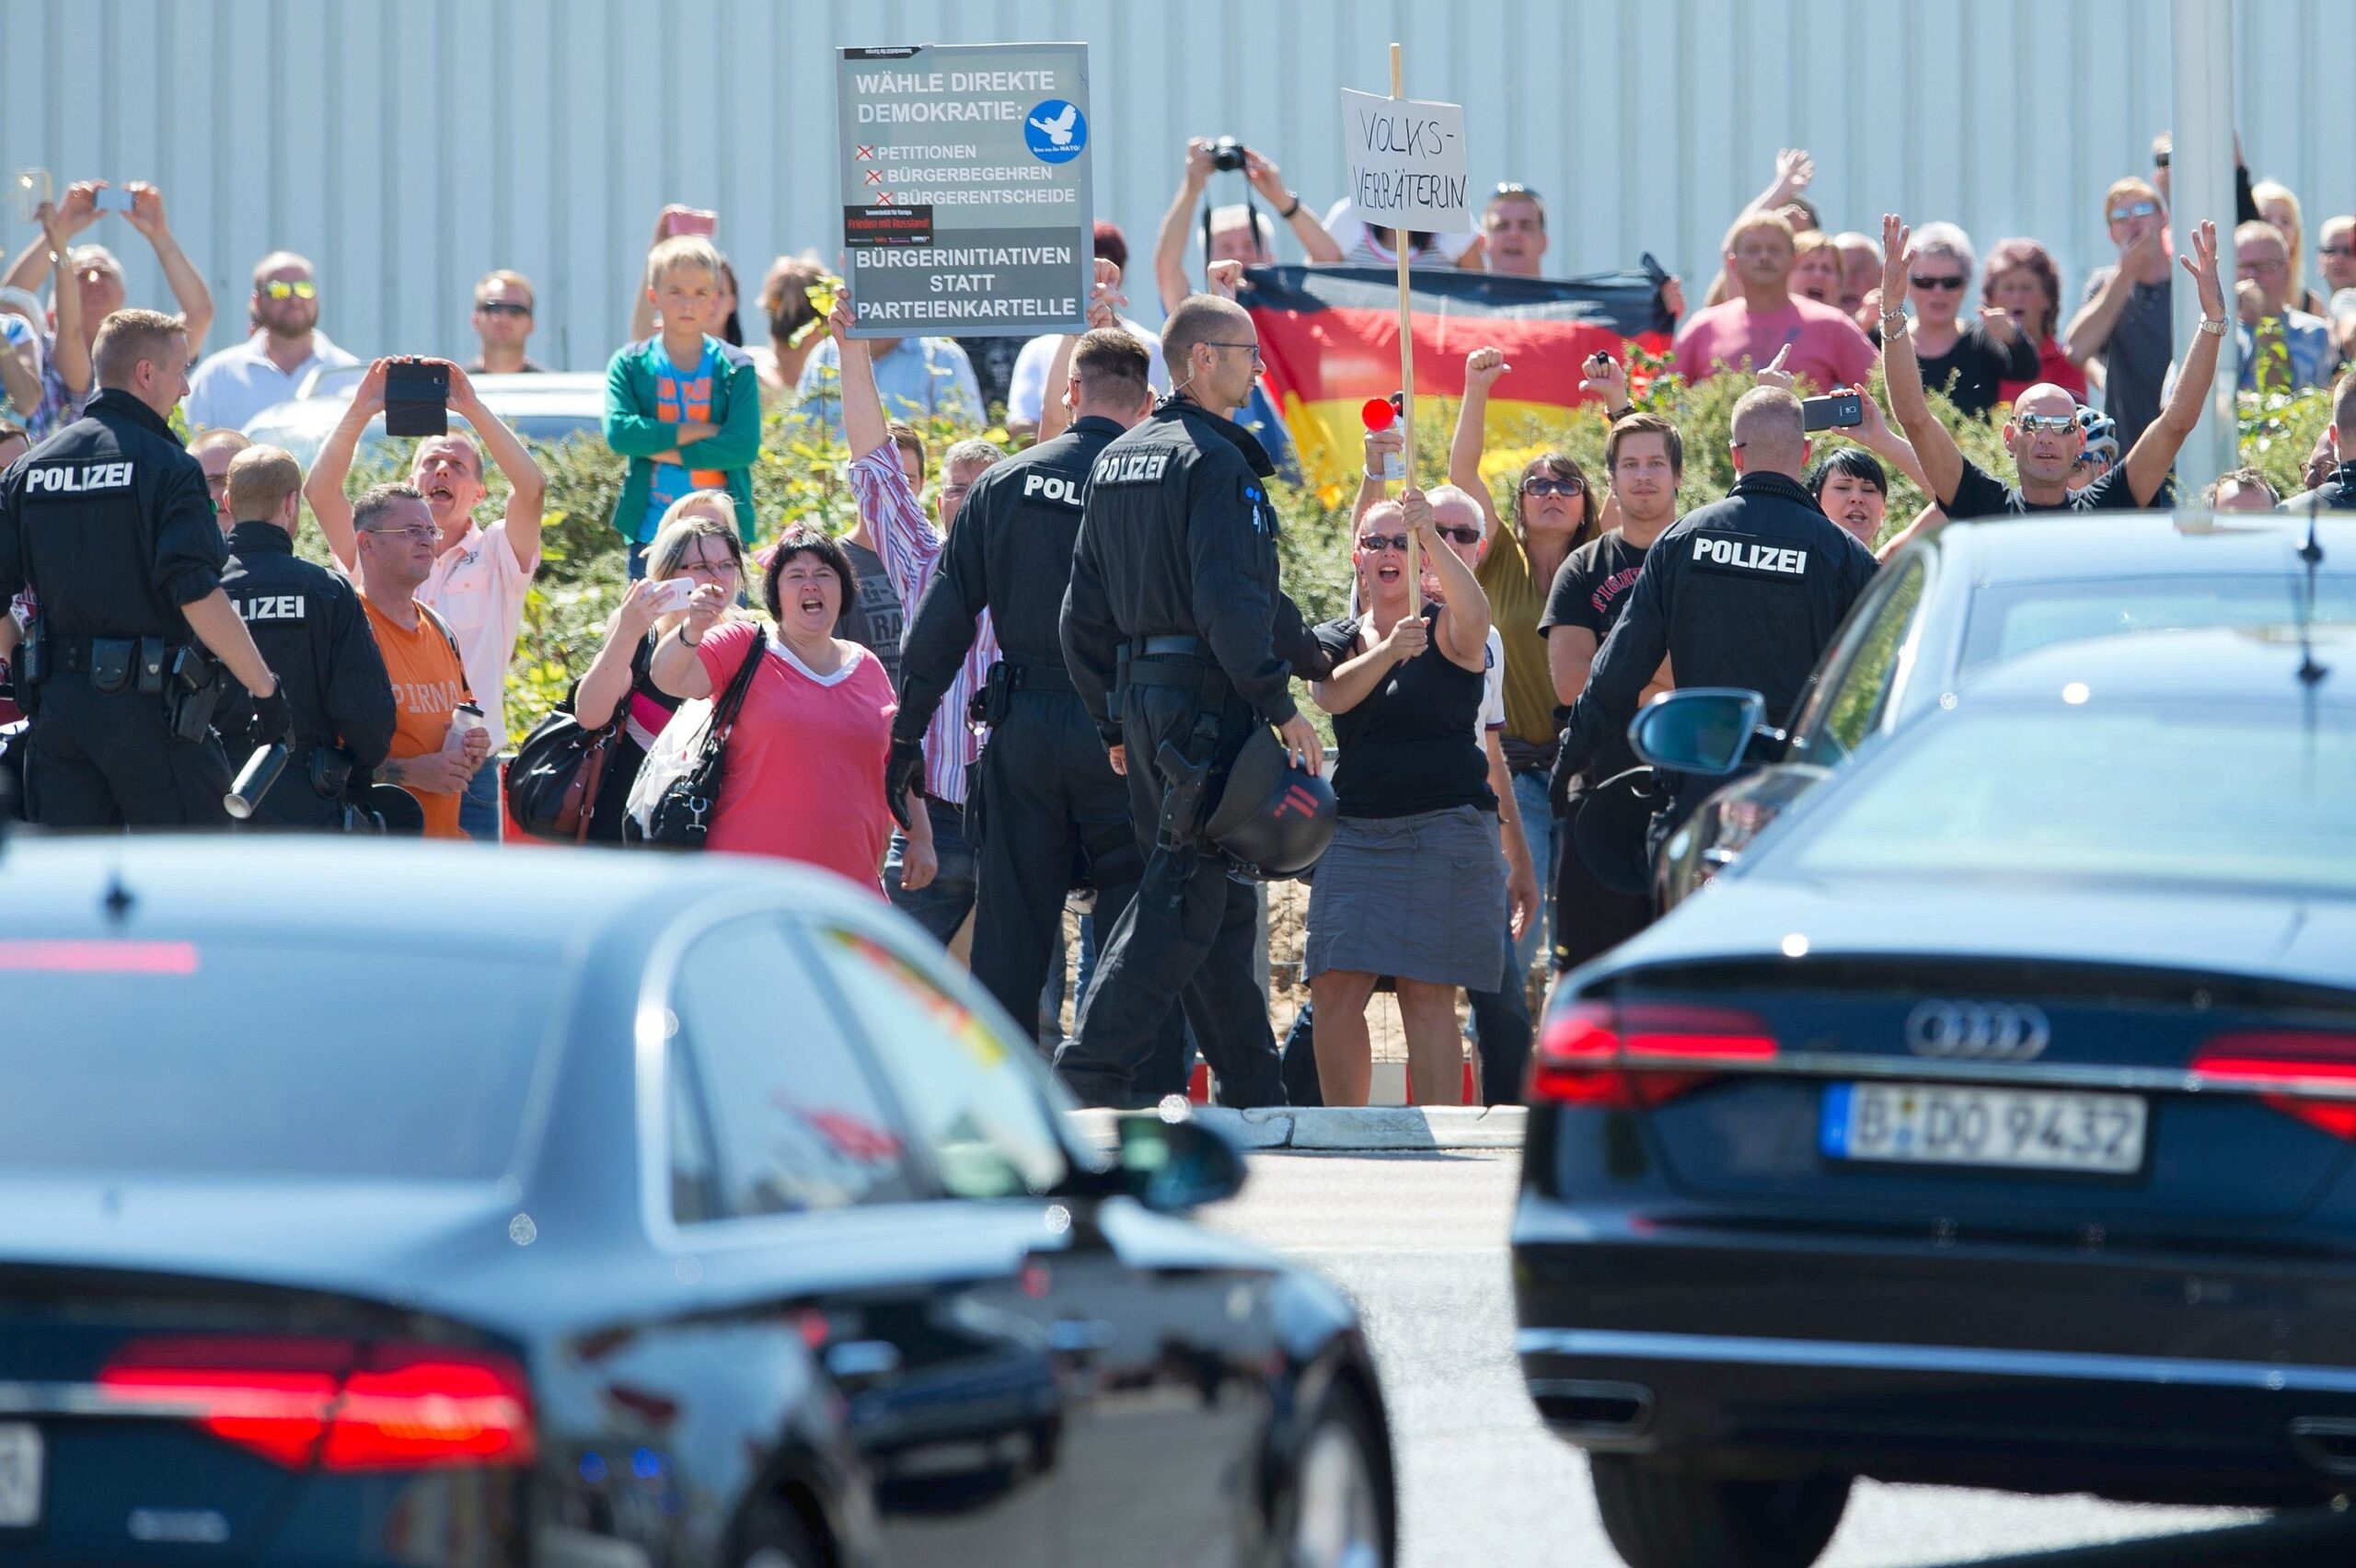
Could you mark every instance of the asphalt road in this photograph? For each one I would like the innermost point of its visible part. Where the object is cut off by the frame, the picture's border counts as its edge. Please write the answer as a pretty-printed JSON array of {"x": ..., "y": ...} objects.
[{"x": 1418, "y": 1242}]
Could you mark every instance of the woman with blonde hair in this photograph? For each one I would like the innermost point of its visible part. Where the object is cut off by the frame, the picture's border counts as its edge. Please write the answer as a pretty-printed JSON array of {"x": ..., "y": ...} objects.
[
  {"x": 2280, "y": 209},
  {"x": 695, "y": 544}
]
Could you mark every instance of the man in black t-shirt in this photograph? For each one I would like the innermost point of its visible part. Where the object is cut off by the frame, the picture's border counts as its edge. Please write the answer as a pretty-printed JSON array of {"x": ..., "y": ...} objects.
[
  {"x": 2044, "y": 434},
  {"x": 1645, "y": 458}
]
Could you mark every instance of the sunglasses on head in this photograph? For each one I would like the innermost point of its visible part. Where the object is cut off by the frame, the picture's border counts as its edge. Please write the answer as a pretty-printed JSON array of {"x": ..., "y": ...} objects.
[
  {"x": 1552, "y": 487},
  {"x": 2051, "y": 424},
  {"x": 1514, "y": 188},
  {"x": 1948, "y": 281},
  {"x": 503, "y": 307},
  {"x": 2134, "y": 210},
  {"x": 301, "y": 289}
]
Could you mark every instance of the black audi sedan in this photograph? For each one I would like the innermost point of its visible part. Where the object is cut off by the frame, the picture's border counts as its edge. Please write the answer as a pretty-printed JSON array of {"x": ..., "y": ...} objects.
[
  {"x": 1992, "y": 1124},
  {"x": 1969, "y": 595},
  {"x": 411, "y": 1205}
]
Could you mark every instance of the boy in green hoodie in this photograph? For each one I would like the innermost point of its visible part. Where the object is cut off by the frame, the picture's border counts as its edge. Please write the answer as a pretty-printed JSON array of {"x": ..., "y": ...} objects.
[{"x": 683, "y": 407}]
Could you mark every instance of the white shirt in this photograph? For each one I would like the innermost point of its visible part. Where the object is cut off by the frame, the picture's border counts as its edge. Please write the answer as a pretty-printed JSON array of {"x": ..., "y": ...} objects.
[
  {"x": 1359, "y": 248},
  {"x": 478, "y": 586},
  {"x": 1492, "y": 691},
  {"x": 1026, "y": 389},
  {"x": 234, "y": 385}
]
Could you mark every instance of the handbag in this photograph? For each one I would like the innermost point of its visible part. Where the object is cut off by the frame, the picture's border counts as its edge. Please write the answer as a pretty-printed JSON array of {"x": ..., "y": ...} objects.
[
  {"x": 553, "y": 780},
  {"x": 678, "y": 789}
]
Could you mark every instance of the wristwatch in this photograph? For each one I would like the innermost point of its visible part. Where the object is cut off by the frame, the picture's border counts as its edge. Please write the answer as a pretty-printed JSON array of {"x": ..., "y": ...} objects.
[
  {"x": 2213, "y": 325},
  {"x": 1287, "y": 213},
  {"x": 1614, "y": 416}
]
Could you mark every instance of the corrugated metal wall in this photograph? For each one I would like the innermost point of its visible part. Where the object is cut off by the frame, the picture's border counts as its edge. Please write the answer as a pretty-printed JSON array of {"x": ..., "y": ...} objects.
[{"x": 410, "y": 146}]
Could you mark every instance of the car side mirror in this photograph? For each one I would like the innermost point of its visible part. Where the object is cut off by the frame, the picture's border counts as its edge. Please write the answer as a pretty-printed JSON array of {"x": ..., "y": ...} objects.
[
  {"x": 1705, "y": 730},
  {"x": 1173, "y": 1165}
]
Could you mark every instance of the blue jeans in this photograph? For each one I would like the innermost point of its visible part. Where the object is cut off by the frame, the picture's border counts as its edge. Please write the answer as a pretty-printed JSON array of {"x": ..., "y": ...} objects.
[
  {"x": 942, "y": 904},
  {"x": 1539, "y": 829},
  {"x": 478, "y": 809}
]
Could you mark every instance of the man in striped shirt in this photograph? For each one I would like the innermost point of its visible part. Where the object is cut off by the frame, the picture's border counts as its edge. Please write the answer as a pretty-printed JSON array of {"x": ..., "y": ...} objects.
[{"x": 895, "y": 544}]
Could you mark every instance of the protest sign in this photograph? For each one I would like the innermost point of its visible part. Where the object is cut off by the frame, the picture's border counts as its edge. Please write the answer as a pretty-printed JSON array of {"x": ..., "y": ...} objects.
[
  {"x": 966, "y": 193},
  {"x": 1406, "y": 163}
]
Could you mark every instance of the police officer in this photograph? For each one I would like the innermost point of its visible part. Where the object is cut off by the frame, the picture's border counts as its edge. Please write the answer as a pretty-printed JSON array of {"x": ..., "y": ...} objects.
[
  {"x": 1179, "y": 642},
  {"x": 1047, "y": 793},
  {"x": 309, "y": 625},
  {"x": 110, "y": 524},
  {"x": 1745, "y": 592}
]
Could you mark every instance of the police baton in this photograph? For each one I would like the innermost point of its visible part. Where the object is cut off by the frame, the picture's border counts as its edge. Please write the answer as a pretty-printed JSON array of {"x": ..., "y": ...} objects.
[{"x": 254, "y": 779}]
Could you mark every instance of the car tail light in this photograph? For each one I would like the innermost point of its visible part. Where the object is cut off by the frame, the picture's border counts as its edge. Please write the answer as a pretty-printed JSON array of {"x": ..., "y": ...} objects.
[
  {"x": 1628, "y": 1057},
  {"x": 2297, "y": 1065},
  {"x": 334, "y": 1404}
]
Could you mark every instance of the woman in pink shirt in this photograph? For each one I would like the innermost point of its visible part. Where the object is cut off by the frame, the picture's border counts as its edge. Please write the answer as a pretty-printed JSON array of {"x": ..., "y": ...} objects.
[{"x": 804, "y": 774}]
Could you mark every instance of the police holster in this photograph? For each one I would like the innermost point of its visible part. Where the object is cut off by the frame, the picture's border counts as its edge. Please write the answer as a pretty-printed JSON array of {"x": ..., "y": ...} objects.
[
  {"x": 31, "y": 667},
  {"x": 192, "y": 686},
  {"x": 330, "y": 769}
]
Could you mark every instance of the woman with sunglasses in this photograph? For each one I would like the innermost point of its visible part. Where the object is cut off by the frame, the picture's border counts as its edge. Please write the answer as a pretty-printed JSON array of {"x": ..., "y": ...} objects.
[
  {"x": 1413, "y": 884},
  {"x": 1554, "y": 511},
  {"x": 697, "y": 542},
  {"x": 1967, "y": 361}
]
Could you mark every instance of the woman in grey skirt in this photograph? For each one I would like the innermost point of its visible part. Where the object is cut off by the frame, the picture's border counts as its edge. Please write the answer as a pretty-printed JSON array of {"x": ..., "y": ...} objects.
[{"x": 1413, "y": 885}]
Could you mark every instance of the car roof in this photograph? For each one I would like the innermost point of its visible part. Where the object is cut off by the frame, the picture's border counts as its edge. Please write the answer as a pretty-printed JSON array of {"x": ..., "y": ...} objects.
[
  {"x": 2045, "y": 546},
  {"x": 568, "y": 393},
  {"x": 518, "y": 900},
  {"x": 2244, "y": 664}
]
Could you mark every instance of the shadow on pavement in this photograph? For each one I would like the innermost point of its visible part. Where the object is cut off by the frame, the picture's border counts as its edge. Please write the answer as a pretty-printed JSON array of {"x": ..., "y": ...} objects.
[{"x": 2316, "y": 1538}]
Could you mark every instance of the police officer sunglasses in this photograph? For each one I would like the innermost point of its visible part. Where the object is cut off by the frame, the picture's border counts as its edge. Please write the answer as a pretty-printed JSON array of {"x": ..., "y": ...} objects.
[{"x": 280, "y": 289}]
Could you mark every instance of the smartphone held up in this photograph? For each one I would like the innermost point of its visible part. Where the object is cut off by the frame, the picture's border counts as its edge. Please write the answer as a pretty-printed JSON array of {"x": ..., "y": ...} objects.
[
  {"x": 1841, "y": 411},
  {"x": 417, "y": 398}
]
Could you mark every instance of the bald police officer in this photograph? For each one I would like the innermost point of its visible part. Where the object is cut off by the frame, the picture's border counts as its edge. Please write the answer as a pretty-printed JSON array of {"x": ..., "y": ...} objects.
[
  {"x": 1180, "y": 642},
  {"x": 1745, "y": 592},
  {"x": 108, "y": 523},
  {"x": 309, "y": 625},
  {"x": 1047, "y": 793}
]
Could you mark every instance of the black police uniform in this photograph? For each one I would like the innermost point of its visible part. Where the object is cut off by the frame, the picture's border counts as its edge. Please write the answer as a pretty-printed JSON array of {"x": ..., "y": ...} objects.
[
  {"x": 2336, "y": 493},
  {"x": 1045, "y": 794},
  {"x": 110, "y": 524},
  {"x": 1179, "y": 642},
  {"x": 313, "y": 634},
  {"x": 1745, "y": 592}
]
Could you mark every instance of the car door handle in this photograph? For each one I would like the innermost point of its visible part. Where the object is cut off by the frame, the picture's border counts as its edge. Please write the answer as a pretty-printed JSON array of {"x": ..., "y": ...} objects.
[
  {"x": 852, "y": 1362},
  {"x": 1080, "y": 1336}
]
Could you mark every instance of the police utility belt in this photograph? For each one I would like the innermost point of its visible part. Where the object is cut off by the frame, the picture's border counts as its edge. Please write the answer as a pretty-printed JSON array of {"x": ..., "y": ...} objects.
[
  {"x": 190, "y": 681},
  {"x": 996, "y": 699},
  {"x": 1178, "y": 663}
]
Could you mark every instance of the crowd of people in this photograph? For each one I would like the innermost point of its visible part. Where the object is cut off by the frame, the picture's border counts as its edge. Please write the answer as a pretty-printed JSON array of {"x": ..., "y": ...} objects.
[{"x": 975, "y": 704}]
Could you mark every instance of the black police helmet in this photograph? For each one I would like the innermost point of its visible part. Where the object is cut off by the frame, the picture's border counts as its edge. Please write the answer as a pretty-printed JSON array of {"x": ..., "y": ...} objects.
[
  {"x": 397, "y": 809},
  {"x": 1613, "y": 827},
  {"x": 1273, "y": 819}
]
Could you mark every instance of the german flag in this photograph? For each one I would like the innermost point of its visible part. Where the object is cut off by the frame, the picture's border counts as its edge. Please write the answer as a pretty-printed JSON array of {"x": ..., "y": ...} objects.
[{"x": 1330, "y": 337}]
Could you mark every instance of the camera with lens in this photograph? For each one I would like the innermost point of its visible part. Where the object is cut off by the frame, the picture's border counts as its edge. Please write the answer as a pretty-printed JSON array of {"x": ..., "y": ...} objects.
[{"x": 1227, "y": 155}]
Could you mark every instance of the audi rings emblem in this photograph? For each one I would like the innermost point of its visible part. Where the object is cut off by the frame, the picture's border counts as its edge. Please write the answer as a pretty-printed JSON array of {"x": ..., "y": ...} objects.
[{"x": 1992, "y": 1032}]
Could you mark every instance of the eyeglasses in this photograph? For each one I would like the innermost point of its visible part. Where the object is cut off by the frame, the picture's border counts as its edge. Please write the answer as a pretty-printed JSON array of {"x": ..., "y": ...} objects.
[
  {"x": 1375, "y": 544},
  {"x": 416, "y": 533},
  {"x": 948, "y": 491},
  {"x": 725, "y": 566},
  {"x": 2160, "y": 160},
  {"x": 280, "y": 289},
  {"x": 2134, "y": 209},
  {"x": 1253, "y": 347},
  {"x": 1949, "y": 281},
  {"x": 1552, "y": 487},
  {"x": 503, "y": 308},
  {"x": 1459, "y": 533},
  {"x": 2051, "y": 424}
]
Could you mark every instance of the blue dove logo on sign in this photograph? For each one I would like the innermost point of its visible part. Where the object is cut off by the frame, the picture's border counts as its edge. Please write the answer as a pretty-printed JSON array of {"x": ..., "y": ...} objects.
[{"x": 1056, "y": 131}]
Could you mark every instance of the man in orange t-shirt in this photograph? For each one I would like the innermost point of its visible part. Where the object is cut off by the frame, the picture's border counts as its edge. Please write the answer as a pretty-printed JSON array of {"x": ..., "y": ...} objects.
[{"x": 397, "y": 537}]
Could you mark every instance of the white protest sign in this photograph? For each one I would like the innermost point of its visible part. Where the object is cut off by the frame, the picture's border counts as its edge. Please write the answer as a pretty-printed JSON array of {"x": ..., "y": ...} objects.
[{"x": 1406, "y": 163}]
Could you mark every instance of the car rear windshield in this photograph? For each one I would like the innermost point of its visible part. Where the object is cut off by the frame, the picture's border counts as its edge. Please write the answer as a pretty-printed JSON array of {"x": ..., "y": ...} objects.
[
  {"x": 2257, "y": 797},
  {"x": 202, "y": 1058},
  {"x": 2011, "y": 618}
]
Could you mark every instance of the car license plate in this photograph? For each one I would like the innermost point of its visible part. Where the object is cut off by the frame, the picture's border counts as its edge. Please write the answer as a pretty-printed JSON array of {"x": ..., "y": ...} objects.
[
  {"x": 1943, "y": 1124},
  {"x": 20, "y": 1475}
]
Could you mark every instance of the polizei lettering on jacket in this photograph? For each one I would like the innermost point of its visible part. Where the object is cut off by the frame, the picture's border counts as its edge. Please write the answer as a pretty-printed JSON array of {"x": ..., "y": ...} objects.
[
  {"x": 1748, "y": 555},
  {"x": 274, "y": 607},
  {"x": 1054, "y": 486},
  {"x": 77, "y": 478},
  {"x": 1131, "y": 467}
]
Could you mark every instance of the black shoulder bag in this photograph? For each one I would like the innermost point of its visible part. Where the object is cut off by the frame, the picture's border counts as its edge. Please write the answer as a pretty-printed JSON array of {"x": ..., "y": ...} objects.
[{"x": 682, "y": 818}]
